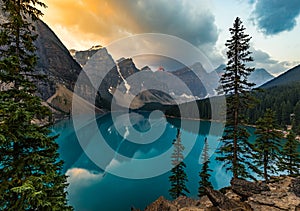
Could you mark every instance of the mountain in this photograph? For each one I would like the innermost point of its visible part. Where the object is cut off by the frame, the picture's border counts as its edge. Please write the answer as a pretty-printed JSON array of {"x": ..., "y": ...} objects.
[
  {"x": 83, "y": 56},
  {"x": 259, "y": 76},
  {"x": 288, "y": 77},
  {"x": 54, "y": 61},
  {"x": 221, "y": 69},
  {"x": 140, "y": 87},
  {"x": 189, "y": 77},
  {"x": 113, "y": 75},
  {"x": 60, "y": 68}
]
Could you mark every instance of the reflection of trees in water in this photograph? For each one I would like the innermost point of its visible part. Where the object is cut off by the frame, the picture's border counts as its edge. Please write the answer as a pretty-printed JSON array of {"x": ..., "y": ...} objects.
[
  {"x": 74, "y": 156},
  {"x": 192, "y": 126}
]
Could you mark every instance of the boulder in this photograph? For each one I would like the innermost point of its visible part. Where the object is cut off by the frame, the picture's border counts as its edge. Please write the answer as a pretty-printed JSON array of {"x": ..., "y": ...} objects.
[
  {"x": 295, "y": 186},
  {"x": 281, "y": 194},
  {"x": 278, "y": 198},
  {"x": 246, "y": 189},
  {"x": 222, "y": 202},
  {"x": 183, "y": 201},
  {"x": 161, "y": 204}
]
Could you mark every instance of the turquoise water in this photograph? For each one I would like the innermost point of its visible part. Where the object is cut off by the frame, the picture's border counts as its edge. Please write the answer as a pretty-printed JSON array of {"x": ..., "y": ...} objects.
[{"x": 94, "y": 188}]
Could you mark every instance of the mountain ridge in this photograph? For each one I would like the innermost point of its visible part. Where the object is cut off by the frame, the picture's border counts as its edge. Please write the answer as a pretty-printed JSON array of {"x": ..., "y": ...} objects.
[
  {"x": 290, "y": 76},
  {"x": 259, "y": 76}
]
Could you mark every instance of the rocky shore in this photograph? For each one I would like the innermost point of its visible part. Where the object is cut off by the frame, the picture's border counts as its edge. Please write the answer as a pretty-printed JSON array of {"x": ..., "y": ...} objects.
[{"x": 282, "y": 193}]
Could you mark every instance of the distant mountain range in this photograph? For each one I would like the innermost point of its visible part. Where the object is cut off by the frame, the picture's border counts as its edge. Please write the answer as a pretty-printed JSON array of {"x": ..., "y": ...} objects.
[
  {"x": 288, "y": 77},
  {"x": 148, "y": 86},
  {"x": 125, "y": 68},
  {"x": 260, "y": 76}
]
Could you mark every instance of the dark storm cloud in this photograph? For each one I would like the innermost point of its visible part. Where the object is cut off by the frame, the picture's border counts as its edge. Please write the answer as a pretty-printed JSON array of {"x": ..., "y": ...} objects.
[
  {"x": 275, "y": 16},
  {"x": 185, "y": 20}
]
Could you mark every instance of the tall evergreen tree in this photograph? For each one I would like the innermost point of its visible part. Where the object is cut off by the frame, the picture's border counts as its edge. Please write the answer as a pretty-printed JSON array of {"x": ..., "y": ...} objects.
[
  {"x": 235, "y": 147},
  {"x": 30, "y": 171},
  {"x": 290, "y": 160},
  {"x": 267, "y": 144},
  {"x": 178, "y": 176},
  {"x": 204, "y": 173}
]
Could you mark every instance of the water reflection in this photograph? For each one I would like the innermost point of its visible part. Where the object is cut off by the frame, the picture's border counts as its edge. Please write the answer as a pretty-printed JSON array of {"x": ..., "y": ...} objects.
[{"x": 93, "y": 188}]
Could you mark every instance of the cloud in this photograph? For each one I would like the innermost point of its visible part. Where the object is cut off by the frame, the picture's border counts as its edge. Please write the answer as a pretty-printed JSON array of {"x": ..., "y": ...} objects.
[
  {"x": 109, "y": 20},
  {"x": 264, "y": 60},
  {"x": 82, "y": 177},
  {"x": 275, "y": 16},
  {"x": 262, "y": 57}
]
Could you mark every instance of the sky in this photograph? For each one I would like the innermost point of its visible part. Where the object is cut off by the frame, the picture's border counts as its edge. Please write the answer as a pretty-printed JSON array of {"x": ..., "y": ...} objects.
[{"x": 273, "y": 24}]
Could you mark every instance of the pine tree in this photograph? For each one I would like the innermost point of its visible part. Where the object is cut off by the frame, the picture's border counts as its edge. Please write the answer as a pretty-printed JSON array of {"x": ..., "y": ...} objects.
[
  {"x": 296, "y": 123},
  {"x": 290, "y": 160},
  {"x": 285, "y": 113},
  {"x": 30, "y": 169},
  {"x": 267, "y": 144},
  {"x": 204, "y": 173},
  {"x": 178, "y": 176},
  {"x": 236, "y": 149}
]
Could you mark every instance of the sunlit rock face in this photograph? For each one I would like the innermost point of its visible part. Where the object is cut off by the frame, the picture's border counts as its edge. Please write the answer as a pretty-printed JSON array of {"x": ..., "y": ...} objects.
[
  {"x": 123, "y": 80},
  {"x": 58, "y": 66}
]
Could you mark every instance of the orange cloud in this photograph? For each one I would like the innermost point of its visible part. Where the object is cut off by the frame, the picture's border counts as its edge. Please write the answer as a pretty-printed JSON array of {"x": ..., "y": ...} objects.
[
  {"x": 92, "y": 19},
  {"x": 83, "y": 22}
]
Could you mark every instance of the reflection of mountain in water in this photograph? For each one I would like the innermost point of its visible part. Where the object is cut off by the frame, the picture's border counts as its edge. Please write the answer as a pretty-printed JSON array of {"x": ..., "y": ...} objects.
[
  {"x": 142, "y": 126},
  {"x": 90, "y": 189},
  {"x": 72, "y": 150}
]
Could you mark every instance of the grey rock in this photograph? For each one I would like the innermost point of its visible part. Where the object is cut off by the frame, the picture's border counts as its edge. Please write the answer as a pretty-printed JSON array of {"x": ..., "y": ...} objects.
[
  {"x": 295, "y": 186},
  {"x": 246, "y": 189},
  {"x": 161, "y": 204},
  {"x": 222, "y": 202}
]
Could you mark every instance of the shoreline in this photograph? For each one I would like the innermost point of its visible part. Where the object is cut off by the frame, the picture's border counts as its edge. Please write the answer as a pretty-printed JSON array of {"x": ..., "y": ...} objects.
[{"x": 69, "y": 116}]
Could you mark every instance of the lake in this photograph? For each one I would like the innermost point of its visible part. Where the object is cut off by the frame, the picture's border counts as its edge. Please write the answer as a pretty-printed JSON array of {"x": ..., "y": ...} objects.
[{"x": 110, "y": 181}]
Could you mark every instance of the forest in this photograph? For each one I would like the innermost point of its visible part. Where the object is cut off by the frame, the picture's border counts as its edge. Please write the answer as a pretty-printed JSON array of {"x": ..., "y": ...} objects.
[{"x": 284, "y": 100}]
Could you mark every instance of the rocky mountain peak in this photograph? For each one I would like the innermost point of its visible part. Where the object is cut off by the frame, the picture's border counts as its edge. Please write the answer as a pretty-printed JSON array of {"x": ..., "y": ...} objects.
[{"x": 96, "y": 47}]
